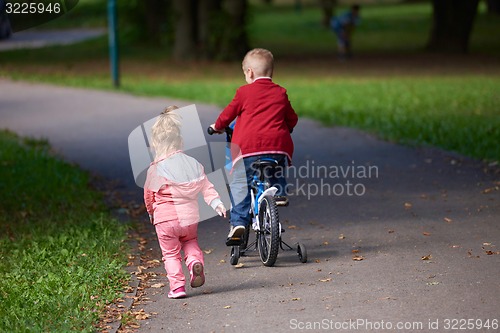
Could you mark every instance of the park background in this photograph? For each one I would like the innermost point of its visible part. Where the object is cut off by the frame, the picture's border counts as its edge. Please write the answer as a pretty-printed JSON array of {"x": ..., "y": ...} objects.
[{"x": 399, "y": 85}]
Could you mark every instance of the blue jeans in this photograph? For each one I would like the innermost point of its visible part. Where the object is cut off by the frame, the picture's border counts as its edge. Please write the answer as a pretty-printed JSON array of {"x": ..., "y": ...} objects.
[{"x": 243, "y": 174}]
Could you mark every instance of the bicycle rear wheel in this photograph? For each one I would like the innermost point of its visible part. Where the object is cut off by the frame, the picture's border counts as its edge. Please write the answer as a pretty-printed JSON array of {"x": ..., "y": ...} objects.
[{"x": 269, "y": 233}]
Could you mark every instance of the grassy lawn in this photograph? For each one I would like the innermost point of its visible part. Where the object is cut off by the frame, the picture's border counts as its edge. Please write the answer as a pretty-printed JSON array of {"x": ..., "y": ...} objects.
[
  {"x": 391, "y": 88},
  {"x": 61, "y": 255}
]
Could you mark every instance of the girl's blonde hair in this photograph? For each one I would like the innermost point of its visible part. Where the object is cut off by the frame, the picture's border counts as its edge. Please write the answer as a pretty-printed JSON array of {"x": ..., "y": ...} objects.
[{"x": 166, "y": 133}]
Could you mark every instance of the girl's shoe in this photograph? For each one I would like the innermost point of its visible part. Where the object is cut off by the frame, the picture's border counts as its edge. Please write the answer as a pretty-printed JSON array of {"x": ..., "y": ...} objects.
[
  {"x": 197, "y": 275},
  {"x": 177, "y": 293}
]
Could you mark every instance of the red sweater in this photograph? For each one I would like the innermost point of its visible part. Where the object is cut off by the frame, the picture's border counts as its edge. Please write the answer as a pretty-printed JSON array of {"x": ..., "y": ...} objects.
[{"x": 265, "y": 119}]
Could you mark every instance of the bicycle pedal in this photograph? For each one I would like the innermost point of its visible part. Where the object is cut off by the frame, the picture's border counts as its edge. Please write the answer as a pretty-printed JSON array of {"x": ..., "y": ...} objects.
[
  {"x": 281, "y": 201},
  {"x": 233, "y": 241}
]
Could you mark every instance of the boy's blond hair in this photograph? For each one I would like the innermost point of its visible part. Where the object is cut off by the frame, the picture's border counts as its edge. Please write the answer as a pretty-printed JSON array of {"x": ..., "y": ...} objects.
[
  {"x": 261, "y": 61},
  {"x": 166, "y": 133}
]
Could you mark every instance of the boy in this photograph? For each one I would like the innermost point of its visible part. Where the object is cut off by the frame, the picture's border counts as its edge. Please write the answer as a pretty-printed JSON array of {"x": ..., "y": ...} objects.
[
  {"x": 265, "y": 121},
  {"x": 343, "y": 26}
]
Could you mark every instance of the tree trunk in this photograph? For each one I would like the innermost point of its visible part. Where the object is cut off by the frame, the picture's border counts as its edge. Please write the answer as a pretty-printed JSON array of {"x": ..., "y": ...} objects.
[
  {"x": 328, "y": 10},
  {"x": 493, "y": 6},
  {"x": 155, "y": 13},
  {"x": 235, "y": 40},
  {"x": 185, "y": 29},
  {"x": 210, "y": 27},
  {"x": 452, "y": 25}
]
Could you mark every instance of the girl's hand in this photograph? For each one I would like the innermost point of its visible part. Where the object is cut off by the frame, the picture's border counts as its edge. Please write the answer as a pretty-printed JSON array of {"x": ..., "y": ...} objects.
[
  {"x": 221, "y": 210},
  {"x": 151, "y": 219}
]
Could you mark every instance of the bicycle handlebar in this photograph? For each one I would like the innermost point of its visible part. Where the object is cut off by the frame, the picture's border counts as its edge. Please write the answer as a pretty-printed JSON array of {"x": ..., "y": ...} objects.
[
  {"x": 227, "y": 130},
  {"x": 210, "y": 130}
]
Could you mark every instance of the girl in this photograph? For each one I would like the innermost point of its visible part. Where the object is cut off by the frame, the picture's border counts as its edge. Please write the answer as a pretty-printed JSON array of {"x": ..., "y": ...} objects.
[{"x": 172, "y": 185}]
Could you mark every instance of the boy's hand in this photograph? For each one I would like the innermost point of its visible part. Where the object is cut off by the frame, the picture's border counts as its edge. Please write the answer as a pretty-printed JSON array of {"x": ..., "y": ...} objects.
[
  {"x": 221, "y": 210},
  {"x": 215, "y": 130}
]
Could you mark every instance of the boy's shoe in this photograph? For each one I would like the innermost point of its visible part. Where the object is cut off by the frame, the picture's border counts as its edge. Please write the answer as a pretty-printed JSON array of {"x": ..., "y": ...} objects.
[
  {"x": 235, "y": 235},
  {"x": 281, "y": 200},
  {"x": 197, "y": 275},
  {"x": 177, "y": 293}
]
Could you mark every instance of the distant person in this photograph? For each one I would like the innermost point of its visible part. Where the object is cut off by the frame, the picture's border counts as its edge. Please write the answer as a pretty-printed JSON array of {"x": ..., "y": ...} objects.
[
  {"x": 265, "y": 119},
  {"x": 173, "y": 183},
  {"x": 343, "y": 26},
  {"x": 5, "y": 29}
]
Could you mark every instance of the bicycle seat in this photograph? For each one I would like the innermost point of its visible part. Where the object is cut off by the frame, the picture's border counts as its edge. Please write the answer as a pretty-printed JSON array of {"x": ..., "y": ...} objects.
[{"x": 265, "y": 163}]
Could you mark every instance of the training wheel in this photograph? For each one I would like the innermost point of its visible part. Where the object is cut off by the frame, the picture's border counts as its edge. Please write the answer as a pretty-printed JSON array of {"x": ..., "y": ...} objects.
[
  {"x": 235, "y": 255},
  {"x": 302, "y": 252}
]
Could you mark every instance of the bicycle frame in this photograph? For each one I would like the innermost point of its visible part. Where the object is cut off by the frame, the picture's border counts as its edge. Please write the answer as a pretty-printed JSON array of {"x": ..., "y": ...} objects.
[{"x": 262, "y": 190}]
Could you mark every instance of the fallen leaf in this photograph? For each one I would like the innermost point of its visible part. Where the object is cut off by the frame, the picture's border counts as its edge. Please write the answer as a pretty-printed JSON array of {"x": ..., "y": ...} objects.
[
  {"x": 390, "y": 231},
  {"x": 208, "y": 251},
  {"x": 425, "y": 233},
  {"x": 341, "y": 236},
  {"x": 325, "y": 280},
  {"x": 408, "y": 205},
  {"x": 487, "y": 244},
  {"x": 433, "y": 283},
  {"x": 358, "y": 258},
  {"x": 491, "y": 189},
  {"x": 154, "y": 261},
  {"x": 227, "y": 307},
  {"x": 317, "y": 261},
  {"x": 296, "y": 299},
  {"x": 355, "y": 251},
  {"x": 427, "y": 257},
  {"x": 292, "y": 227},
  {"x": 489, "y": 252},
  {"x": 325, "y": 243},
  {"x": 447, "y": 220},
  {"x": 141, "y": 315},
  {"x": 158, "y": 285},
  {"x": 222, "y": 261},
  {"x": 239, "y": 265}
]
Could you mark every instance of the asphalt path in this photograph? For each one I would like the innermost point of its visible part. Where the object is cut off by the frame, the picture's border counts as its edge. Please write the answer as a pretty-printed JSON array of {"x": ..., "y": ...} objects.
[
  {"x": 414, "y": 244},
  {"x": 32, "y": 38}
]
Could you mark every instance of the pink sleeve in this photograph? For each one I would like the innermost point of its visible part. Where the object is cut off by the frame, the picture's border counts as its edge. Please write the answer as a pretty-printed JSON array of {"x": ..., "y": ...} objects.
[
  {"x": 209, "y": 192},
  {"x": 149, "y": 199}
]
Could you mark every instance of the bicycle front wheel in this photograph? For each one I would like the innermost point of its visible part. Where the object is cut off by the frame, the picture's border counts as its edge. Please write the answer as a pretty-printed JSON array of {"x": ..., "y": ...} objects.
[{"x": 269, "y": 233}]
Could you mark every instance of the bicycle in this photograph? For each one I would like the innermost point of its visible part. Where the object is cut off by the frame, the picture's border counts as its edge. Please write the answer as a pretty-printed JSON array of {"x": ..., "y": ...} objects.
[{"x": 265, "y": 217}]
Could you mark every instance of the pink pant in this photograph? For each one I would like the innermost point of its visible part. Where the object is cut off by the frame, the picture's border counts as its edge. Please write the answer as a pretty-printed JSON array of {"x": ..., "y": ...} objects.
[{"x": 173, "y": 238}]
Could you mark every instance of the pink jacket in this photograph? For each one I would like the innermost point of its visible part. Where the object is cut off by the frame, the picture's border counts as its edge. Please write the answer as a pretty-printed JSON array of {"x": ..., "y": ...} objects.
[{"x": 172, "y": 187}]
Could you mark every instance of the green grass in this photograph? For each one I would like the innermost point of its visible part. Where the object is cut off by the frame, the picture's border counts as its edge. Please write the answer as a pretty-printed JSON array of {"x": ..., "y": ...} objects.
[
  {"x": 388, "y": 28},
  {"x": 456, "y": 113},
  {"x": 456, "y": 108},
  {"x": 61, "y": 255}
]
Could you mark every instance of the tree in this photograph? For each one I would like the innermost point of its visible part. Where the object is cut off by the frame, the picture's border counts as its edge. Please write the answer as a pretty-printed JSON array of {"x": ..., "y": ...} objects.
[
  {"x": 213, "y": 29},
  {"x": 493, "y": 6},
  {"x": 185, "y": 39},
  {"x": 452, "y": 25},
  {"x": 328, "y": 10}
]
